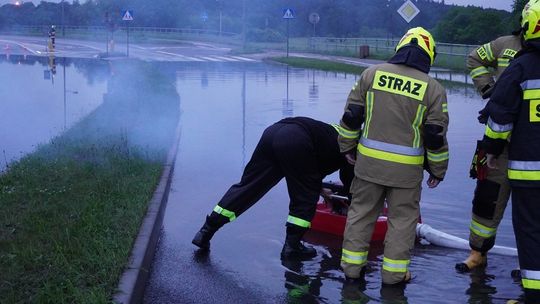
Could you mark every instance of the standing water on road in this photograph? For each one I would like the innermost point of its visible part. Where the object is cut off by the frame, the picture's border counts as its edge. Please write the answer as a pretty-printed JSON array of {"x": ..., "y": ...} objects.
[
  {"x": 42, "y": 97},
  {"x": 225, "y": 108}
]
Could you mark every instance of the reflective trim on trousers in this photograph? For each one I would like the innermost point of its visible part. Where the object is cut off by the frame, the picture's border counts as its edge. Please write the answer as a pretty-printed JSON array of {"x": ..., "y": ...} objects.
[
  {"x": 227, "y": 213},
  {"x": 298, "y": 221},
  {"x": 395, "y": 265},
  {"x": 354, "y": 257},
  {"x": 343, "y": 132},
  {"x": 482, "y": 230}
]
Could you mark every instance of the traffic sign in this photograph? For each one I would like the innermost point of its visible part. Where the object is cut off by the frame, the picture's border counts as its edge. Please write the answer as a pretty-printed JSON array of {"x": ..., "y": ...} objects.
[
  {"x": 408, "y": 11},
  {"x": 288, "y": 13},
  {"x": 127, "y": 16},
  {"x": 314, "y": 18}
]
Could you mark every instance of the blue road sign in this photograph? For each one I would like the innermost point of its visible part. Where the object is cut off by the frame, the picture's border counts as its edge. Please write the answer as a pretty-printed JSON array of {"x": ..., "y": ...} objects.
[
  {"x": 288, "y": 13},
  {"x": 127, "y": 15}
]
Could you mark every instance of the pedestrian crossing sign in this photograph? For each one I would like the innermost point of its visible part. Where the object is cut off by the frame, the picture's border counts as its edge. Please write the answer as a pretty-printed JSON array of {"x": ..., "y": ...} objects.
[
  {"x": 127, "y": 16},
  {"x": 288, "y": 14}
]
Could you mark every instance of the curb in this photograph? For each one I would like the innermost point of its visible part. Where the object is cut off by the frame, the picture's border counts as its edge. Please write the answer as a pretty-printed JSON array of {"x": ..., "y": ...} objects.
[{"x": 133, "y": 281}]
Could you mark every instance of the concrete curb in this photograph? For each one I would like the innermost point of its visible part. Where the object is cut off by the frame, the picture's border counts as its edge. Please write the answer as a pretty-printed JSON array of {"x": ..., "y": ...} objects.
[{"x": 133, "y": 281}]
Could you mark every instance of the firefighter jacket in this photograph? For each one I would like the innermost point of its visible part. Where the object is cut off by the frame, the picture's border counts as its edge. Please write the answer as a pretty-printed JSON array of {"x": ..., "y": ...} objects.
[
  {"x": 514, "y": 110},
  {"x": 396, "y": 117},
  {"x": 487, "y": 62}
]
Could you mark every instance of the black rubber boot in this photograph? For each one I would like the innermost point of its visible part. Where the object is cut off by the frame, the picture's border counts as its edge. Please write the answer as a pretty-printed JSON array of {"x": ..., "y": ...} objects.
[
  {"x": 293, "y": 247},
  {"x": 213, "y": 222}
]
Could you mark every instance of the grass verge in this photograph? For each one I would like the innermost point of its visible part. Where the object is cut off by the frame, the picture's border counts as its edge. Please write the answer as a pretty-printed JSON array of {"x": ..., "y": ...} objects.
[{"x": 318, "y": 64}]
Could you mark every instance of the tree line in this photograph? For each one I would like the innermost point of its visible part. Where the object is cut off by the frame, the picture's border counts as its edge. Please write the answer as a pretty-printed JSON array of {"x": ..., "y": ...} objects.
[{"x": 263, "y": 19}]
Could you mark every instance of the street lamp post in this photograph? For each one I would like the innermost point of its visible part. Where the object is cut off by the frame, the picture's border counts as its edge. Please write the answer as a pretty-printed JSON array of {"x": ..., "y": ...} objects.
[
  {"x": 220, "y": 3},
  {"x": 63, "y": 21}
]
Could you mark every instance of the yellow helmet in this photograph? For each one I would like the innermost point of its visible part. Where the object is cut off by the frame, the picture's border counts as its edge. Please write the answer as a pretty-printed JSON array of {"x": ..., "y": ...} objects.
[
  {"x": 530, "y": 21},
  {"x": 420, "y": 37}
]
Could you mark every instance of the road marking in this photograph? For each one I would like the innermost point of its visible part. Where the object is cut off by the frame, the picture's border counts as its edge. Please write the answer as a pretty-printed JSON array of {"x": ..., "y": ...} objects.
[
  {"x": 243, "y": 58},
  {"x": 210, "y": 59},
  {"x": 187, "y": 58},
  {"x": 225, "y": 58}
]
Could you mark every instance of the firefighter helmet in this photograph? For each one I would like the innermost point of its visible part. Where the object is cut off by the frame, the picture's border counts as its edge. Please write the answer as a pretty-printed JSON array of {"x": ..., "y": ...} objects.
[
  {"x": 420, "y": 37},
  {"x": 530, "y": 21}
]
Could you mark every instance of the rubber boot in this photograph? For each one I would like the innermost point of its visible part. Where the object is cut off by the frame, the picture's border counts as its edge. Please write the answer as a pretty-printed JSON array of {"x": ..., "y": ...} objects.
[
  {"x": 476, "y": 259},
  {"x": 213, "y": 222},
  {"x": 293, "y": 247},
  {"x": 357, "y": 281}
]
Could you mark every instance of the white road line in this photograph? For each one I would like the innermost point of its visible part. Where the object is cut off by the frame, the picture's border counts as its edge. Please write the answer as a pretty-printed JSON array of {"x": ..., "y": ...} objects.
[
  {"x": 225, "y": 58},
  {"x": 211, "y": 59},
  {"x": 187, "y": 58},
  {"x": 243, "y": 58},
  {"x": 20, "y": 45}
]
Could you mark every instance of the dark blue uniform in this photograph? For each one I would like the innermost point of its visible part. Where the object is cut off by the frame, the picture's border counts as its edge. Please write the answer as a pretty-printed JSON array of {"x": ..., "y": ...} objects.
[{"x": 514, "y": 116}]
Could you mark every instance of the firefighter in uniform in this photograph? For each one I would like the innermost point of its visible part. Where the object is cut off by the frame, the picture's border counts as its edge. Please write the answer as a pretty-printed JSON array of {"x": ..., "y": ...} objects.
[
  {"x": 394, "y": 126},
  {"x": 514, "y": 110},
  {"x": 492, "y": 192},
  {"x": 302, "y": 150}
]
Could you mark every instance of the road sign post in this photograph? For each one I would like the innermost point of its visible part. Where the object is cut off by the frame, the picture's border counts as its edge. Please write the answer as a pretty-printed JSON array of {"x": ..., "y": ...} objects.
[
  {"x": 127, "y": 16},
  {"x": 288, "y": 14}
]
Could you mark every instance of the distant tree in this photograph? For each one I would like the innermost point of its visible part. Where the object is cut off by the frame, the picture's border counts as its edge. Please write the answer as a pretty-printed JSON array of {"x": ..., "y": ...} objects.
[{"x": 471, "y": 25}]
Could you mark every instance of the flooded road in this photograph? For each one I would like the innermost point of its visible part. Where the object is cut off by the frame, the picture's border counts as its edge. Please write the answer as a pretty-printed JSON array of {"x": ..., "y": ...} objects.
[
  {"x": 43, "y": 96},
  {"x": 225, "y": 108}
]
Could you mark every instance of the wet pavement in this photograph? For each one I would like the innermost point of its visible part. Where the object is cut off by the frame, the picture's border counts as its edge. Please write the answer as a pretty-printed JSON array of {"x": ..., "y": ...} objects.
[{"x": 224, "y": 111}]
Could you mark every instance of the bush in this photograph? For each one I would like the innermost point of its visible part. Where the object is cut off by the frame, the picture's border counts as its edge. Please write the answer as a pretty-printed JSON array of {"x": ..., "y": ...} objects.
[{"x": 265, "y": 35}]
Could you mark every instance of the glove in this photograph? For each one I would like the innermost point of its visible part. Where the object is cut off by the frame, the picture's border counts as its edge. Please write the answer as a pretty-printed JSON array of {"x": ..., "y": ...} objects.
[
  {"x": 479, "y": 168},
  {"x": 483, "y": 116},
  {"x": 350, "y": 156},
  {"x": 486, "y": 91}
]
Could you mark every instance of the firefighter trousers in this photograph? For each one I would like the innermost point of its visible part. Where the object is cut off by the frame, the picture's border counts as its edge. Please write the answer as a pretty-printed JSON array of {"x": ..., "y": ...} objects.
[
  {"x": 403, "y": 211},
  {"x": 284, "y": 150},
  {"x": 526, "y": 222},
  {"x": 490, "y": 199}
]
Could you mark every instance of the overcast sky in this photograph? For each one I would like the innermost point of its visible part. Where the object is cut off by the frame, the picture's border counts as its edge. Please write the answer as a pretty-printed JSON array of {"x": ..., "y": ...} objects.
[{"x": 498, "y": 4}]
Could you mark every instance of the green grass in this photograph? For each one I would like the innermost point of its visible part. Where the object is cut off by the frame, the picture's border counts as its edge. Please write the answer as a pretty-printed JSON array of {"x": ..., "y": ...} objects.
[
  {"x": 69, "y": 219},
  {"x": 70, "y": 211},
  {"x": 318, "y": 64}
]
